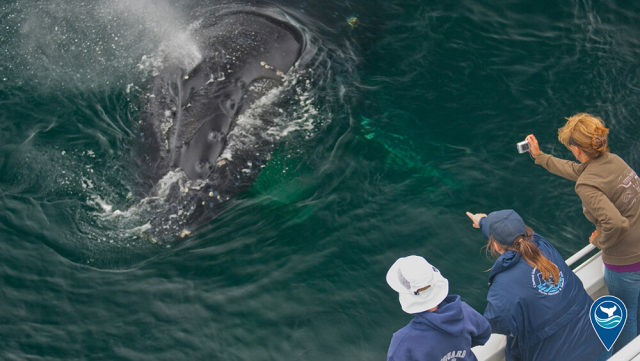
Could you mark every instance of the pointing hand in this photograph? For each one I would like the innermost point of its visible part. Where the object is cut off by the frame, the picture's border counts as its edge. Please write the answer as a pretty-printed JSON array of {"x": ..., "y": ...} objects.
[{"x": 476, "y": 218}]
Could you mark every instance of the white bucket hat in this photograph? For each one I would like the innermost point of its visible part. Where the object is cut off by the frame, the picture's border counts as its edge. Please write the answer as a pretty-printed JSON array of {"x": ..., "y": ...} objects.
[{"x": 420, "y": 285}]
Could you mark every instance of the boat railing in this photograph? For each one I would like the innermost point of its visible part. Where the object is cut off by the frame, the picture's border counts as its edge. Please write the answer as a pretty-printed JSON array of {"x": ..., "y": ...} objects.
[{"x": 581, "y": 253}]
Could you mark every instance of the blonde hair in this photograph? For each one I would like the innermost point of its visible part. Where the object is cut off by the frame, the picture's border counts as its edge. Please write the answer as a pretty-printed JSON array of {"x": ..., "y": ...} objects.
[
  {"x": 585, "y": 132},
  {"x": 531, "y": 253}
]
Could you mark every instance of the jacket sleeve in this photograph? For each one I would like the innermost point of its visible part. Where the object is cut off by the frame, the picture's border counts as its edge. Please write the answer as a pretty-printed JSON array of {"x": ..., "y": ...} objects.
[
  {"x": 483, "y": 227},
  {"x": 500, "y": 324},
  {"x": 497, "y": 321},
  {"x": 480, "y": 335},
  {"x": 611, "y": 224},
  {"x": 564, "y": 168}
]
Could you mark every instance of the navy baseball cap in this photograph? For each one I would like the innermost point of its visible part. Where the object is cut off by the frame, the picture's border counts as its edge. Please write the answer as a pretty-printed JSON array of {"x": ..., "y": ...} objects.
[{"x": 505, "y": 226}]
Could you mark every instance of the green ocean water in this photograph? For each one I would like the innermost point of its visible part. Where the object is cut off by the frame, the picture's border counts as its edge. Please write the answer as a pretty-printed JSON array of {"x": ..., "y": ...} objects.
[{"x": 388, "y": 135}]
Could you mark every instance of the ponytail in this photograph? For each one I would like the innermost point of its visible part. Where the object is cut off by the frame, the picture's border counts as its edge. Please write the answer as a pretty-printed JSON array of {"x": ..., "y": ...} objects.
[
  {"x": 599, "y": 140},
  {"x": 531, "y": 253}
]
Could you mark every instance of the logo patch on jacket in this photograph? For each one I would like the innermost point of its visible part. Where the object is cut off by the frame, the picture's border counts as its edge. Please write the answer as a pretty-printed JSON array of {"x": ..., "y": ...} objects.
[{"x": 546, "y": 287}]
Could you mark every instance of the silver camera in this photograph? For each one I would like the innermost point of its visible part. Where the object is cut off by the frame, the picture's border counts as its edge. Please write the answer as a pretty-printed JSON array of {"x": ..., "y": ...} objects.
[{"x": 523, "y": 146}]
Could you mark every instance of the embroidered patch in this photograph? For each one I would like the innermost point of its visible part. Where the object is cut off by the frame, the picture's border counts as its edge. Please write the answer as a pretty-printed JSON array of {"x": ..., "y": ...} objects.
[{"x": 546, "y": 287}]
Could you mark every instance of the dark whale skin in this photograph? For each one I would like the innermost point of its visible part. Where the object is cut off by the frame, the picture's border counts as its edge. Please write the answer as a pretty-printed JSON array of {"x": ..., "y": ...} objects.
[{"x": 238, "y": 49}]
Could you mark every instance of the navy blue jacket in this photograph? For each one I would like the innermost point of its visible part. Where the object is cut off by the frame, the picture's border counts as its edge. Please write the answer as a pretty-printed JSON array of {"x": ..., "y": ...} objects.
[
  {"x": 541, "y": 321},
  {"x": 445, "y": 334}
]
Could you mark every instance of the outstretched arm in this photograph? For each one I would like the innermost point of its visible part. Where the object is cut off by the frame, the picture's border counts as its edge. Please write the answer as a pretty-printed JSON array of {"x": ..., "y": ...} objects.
[
  {"x": 476, "y": 218},
  {"x": 498, "y": 322},
  {"x": 564, "y": 168},
  {"x": 477, "y": 222},
  {"x": 482, "y": 329}
]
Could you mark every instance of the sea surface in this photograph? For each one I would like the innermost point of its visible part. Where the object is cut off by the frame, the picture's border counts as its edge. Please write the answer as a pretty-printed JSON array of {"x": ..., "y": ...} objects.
[{"x": 403, "y": 116}]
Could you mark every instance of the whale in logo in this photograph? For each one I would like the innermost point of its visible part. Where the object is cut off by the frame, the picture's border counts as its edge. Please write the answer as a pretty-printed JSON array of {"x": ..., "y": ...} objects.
[
  {"x": 614, "y": 316},
  {"x": 608, "y": 316}
]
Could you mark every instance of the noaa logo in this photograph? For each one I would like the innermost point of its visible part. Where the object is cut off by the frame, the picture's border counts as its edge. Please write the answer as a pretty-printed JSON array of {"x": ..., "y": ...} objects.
[
  {"x": 546, "y": 287},
  {"x": 608, "y": 315}
]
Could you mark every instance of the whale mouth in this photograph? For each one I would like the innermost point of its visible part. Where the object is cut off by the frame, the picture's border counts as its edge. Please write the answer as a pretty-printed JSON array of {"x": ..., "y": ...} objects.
[{"x": 240, "y": 49}]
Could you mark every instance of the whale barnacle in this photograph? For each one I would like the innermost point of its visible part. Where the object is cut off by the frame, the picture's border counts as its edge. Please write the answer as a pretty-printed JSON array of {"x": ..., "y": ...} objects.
[{"x": 200, "y": 166}]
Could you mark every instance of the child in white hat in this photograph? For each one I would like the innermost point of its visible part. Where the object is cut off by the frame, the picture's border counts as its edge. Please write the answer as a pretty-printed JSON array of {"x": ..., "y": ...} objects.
[{"x": 443, "y": 327}]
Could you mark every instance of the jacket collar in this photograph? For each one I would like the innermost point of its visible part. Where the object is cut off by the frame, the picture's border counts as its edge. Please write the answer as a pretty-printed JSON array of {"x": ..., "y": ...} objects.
[{"x": 503, "y": 263}]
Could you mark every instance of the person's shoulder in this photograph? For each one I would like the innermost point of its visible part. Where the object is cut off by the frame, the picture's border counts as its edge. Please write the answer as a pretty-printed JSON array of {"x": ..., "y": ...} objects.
[
  {"x": 505, "y": 287},
  {"x": 616, "y": 159},
  {"x": 612, "y": 156},
  {"x": 608, "y": 159},
  {"x": 547, "y": 248},
  {"x": 469, "y": 311},
  {"x": 465, "y": 306},
  {"x": 398, "y": 338},
  {"x": 403, "y": 331},
  {"x": 408, "y": 338},
  {"x": 540, "y": 241}
]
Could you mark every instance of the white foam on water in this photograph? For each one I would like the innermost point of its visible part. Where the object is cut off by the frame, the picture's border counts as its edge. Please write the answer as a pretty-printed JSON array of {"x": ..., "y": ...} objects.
[
  {"x": 86, "y": 183},
  {"x": 164, "y": 184},
  {"x": 176, "y": 176},
  {"x": 247, "y": 125},
  {"x": 139, "y": 230},
  {"x": 303, "y": 119},
  {"x": 135, "y": 214},
  {"x": 97, "y": 200}
]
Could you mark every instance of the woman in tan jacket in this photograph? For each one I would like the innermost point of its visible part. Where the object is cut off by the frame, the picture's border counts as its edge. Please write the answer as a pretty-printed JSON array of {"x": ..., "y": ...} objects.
[{"x": 610, "y": 194}]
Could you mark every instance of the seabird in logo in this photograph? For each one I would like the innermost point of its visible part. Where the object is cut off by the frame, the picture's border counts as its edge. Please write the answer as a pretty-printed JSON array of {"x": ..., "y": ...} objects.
[
  {"x": 546, "y": 287},
  {"x": 608, "y": 316}
]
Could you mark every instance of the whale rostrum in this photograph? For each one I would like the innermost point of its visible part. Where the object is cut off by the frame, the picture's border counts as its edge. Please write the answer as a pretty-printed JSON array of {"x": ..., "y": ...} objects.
[
  {"x": 239, "y": 49},
  {"x": 191, "y": 112}
]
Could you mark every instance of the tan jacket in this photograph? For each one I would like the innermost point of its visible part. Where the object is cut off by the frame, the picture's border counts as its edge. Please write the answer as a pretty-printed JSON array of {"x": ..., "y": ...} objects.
[{"x": 610, "y": 194}]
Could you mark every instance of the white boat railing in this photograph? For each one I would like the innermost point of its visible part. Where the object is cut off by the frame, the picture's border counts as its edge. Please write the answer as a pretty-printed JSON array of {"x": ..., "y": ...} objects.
[{"x": 581, "y": 253}]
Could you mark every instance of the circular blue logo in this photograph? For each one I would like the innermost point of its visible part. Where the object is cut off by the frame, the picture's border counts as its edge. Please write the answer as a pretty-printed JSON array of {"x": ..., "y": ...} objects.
[
  {"x": 546, "y": 287},
  {"x": 608, "y": 315}
]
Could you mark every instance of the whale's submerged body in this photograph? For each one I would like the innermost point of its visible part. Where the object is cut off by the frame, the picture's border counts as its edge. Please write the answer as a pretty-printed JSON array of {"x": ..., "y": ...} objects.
[{"x": 191, "y": 112}]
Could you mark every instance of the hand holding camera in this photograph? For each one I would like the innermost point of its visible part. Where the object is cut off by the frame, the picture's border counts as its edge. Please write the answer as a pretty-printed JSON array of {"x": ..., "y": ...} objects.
[
  {"x": 530, "y": 144},
  {"x": 523, "y": 146}
]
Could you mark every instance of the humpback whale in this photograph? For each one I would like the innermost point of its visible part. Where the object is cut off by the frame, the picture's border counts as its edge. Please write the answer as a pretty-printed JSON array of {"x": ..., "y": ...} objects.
[{"x": 192, "y": 111}]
